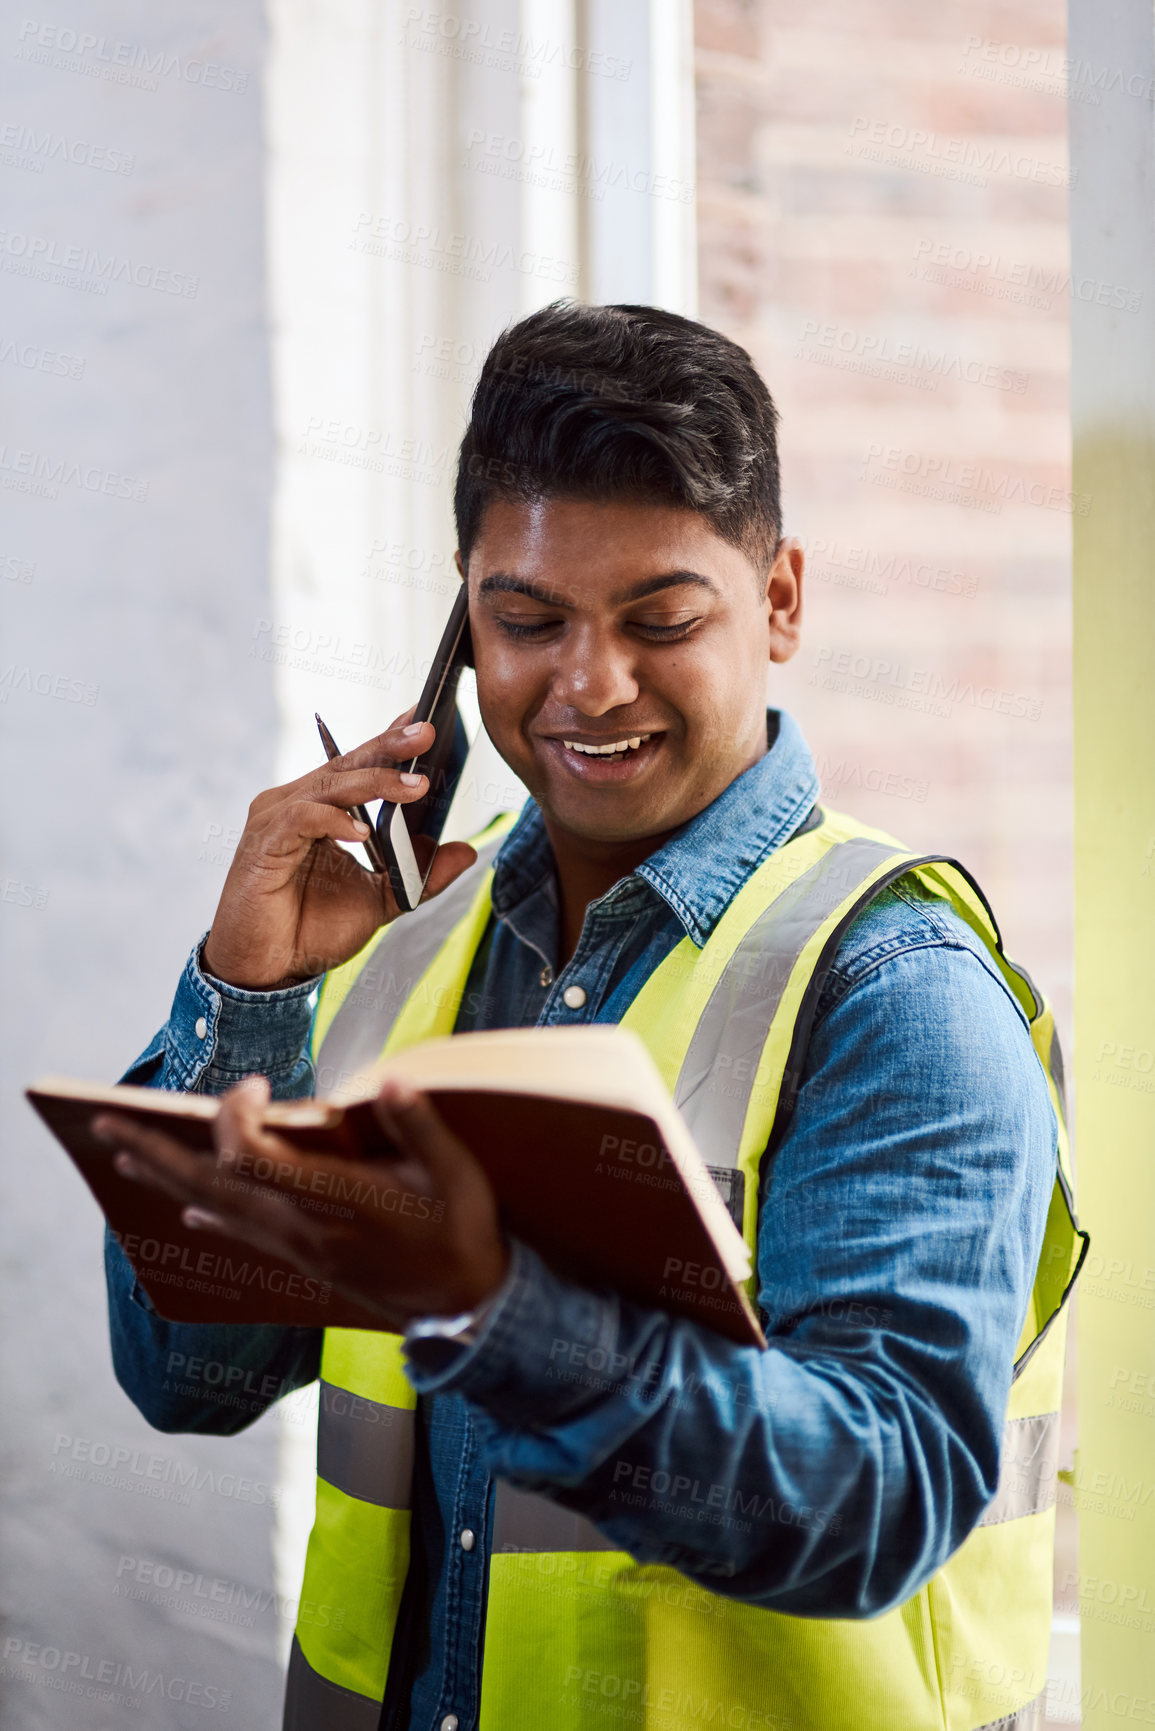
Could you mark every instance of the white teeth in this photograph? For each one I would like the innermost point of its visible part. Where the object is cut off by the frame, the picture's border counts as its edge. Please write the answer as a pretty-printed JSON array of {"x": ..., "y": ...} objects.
[{"x": 619, "y": 745}]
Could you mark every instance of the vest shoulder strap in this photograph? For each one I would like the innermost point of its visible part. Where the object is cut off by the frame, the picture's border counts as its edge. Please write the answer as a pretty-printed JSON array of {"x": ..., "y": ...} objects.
[{"x": 362, "y": 1001}]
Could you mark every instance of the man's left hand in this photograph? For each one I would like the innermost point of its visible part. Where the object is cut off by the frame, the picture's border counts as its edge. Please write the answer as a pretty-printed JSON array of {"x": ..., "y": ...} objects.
[{"x": 413, "y": 1236}]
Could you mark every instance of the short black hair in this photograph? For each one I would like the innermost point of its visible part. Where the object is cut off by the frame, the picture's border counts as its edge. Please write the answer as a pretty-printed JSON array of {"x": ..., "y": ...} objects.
[{"x": 611, "y": 402}]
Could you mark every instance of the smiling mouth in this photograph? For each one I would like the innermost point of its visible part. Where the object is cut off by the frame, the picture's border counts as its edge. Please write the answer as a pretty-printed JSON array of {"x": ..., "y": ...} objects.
[{"x": 613, "y": 750}]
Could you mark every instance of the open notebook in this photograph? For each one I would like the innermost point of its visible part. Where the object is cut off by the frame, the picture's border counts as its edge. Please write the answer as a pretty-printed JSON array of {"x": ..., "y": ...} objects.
[{"x": 589, "y": 1158}]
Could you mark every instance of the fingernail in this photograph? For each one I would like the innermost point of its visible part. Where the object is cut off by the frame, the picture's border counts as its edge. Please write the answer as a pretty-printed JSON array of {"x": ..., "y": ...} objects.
[
  {"x": 255, "y": 1085},
  {"x": 126, "y": 1165},
  {"x": 201, "y": 1217},
  {"x": 410, "y": 780},
  {"x": 361, "y": 828},
  {"x": 414, "y": 727}
]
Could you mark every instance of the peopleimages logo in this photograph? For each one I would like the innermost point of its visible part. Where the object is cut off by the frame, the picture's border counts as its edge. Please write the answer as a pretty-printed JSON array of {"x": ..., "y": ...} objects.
[
  {"x": 175, "y": 1264},
  {"x": 944, "y": 262},
  {"x": 81, "y": 267},
  {"x": 40, "y": 360},
  {"x": 873, "y": 570},
  {"x": 23, "y": 147},
  {"x": 649, "y": 1487},
  {"x": 40, "y": 682},
  {"x": 878, "y": 355},
  {"x": 71, "y": 50},
  {"x": 97, "y": 1678},
  {"x": 42, "y": 474},
  {"x": 483, "y": 43},
  {"x": 963, "y": 159},
  {"x": 455, "y": 253},
  {"x": 882, "y": 680},
  {"x": 1028, "y": 66},
  {"x": 163, "y": 1477},
  {"x": 842, "y": 773},
  {"x": 945, "y": 478},
  {"x": 535, "y": 163},
  {"x": 215, "y": 1597}
]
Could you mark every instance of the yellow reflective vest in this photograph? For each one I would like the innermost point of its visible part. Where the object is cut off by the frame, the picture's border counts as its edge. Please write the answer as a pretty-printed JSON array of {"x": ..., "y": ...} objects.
[{"x": 577, "y": 1634}]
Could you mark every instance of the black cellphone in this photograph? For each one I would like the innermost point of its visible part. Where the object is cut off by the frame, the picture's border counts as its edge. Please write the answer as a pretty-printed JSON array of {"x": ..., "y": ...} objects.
[{"x": 409, "y": 834}]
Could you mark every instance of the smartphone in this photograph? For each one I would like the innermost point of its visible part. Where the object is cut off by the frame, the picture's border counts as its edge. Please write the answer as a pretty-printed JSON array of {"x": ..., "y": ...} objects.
[{"x": 409, "y": 834}]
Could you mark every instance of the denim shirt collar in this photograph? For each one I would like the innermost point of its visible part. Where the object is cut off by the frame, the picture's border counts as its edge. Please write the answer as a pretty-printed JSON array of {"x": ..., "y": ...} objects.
[{"x": 705, "y": 863}]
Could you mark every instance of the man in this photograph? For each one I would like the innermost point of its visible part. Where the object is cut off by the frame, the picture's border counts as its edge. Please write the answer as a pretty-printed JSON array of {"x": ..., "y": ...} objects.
[{"x": 557, "y": 1505}]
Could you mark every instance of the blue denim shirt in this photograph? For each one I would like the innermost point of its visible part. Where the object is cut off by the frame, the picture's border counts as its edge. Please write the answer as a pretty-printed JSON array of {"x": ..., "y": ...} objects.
[{"x": 896, "y": 1249}]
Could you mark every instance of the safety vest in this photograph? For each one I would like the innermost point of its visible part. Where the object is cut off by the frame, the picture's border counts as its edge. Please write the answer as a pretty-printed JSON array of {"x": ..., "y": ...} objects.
[{"x": 577, "y": 1634}]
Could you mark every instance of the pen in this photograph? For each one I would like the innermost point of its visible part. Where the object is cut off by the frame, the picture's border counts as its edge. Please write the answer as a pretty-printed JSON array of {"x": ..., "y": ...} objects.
[{"x": 371, "y": 845}]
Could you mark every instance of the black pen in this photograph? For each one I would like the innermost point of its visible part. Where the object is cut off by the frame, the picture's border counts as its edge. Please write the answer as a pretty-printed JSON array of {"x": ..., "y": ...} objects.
[{"x": 371, "y": 845}]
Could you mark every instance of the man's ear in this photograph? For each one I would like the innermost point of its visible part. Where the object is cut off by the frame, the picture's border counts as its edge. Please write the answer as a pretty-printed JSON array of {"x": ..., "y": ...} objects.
[
  {"x": 784, "y": 593},
  {"x": 460, "y": 563}
]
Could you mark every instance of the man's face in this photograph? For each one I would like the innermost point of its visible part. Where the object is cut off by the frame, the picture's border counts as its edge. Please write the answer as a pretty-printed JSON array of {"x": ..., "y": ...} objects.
[{"x": 624, "y": 624}]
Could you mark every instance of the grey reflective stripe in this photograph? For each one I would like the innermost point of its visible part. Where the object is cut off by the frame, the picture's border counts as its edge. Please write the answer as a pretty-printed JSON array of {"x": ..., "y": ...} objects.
[
  {"x": 1032, "y": 1717},
  {"x": 312, "y": 1703},
  {"x": 523, "y": 1521},
  {"x": 365, "y": 1449},
  {"x": 717, "y": 1075},
  {"x": 357, "y": 1033},
  {"x": 1058, "y": 1072},
  {"x": 1028, "y": 1473}
]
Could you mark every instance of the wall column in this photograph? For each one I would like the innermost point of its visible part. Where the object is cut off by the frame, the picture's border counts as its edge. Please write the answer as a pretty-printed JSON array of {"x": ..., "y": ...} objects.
[{"x": 1112, "y": 50}]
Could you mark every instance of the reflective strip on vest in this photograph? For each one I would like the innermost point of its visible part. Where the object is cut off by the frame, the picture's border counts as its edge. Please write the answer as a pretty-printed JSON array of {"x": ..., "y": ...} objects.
[
  {"x": 1028, "y": 1469},
  {"x": 1032, "y": 1717},
  {"x": 732, "y": 1032},
  {"x": 523, "y": 1521},
  {"x": 364, "y": 1448},
  {"x": 312, "y": 1703},
  {"x": 359, "y": 1547},
  {"x": 727, "y": 1025},
  {"x": 357, "y": 1035}
]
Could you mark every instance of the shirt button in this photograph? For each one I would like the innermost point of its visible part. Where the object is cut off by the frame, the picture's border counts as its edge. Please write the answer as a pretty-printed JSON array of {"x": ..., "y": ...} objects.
[
  {"x": 573, "y": 997},
  {"x": 202, "y": 1027},
  {"x": 467, "y": 1539},
  {"x": 449, "y": 1723},
  {"x": 546, "y": 976}
]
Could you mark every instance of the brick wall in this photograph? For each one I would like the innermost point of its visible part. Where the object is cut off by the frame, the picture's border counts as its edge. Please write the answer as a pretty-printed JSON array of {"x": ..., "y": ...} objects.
[
  {"x": 883, "y": 226},
  {"x": 882, "y": 223}
]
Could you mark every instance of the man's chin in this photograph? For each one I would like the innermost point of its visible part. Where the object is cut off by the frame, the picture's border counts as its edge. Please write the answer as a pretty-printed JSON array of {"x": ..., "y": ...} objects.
[{"x": 606, "y": 828}]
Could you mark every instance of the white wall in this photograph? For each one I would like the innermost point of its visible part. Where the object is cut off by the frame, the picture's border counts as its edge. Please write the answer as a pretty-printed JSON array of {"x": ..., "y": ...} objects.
[{"x": 115, "y": 804}]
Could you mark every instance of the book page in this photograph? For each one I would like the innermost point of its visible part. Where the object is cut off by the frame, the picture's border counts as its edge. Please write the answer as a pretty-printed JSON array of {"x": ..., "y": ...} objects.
[{"x": 607, "y": 1065}]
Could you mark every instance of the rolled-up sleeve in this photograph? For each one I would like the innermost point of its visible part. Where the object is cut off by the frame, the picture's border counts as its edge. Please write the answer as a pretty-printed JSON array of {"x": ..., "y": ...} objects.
[{"x": 833, "y": 1473}]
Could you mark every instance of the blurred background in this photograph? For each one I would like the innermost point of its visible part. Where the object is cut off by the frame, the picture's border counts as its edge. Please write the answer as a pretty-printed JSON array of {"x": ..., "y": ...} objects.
[{"x": 252, "y": 257}]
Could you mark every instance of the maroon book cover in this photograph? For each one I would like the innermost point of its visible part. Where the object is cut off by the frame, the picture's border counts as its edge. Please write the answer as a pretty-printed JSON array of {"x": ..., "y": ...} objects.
[{"x": 591, "y": 1187}]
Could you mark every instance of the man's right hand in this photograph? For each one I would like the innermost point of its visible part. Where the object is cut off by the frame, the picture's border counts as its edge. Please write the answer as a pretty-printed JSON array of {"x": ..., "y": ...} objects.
[{"x": 294, "y": 903}]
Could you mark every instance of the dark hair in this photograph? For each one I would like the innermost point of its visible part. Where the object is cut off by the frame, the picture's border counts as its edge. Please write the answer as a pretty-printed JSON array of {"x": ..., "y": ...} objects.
[{"x": 608, "y": 402}]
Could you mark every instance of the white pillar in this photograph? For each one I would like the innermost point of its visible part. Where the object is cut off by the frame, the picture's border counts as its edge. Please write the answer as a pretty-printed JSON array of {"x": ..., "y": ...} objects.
[
  {"x": 433, "y": 176},
  {"x": 638, "y": 152},
  {"x": 1112, "y": 57}
]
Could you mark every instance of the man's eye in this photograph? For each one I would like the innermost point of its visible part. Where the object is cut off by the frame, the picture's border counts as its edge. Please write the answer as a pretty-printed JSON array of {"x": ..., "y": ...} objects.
[
  {"x": 524, "y": 626},
  {"x": 670, "y": 632}
]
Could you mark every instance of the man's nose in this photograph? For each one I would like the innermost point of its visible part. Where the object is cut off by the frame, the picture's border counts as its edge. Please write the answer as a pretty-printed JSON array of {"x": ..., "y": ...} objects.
[{"x": 595, "y": 672}]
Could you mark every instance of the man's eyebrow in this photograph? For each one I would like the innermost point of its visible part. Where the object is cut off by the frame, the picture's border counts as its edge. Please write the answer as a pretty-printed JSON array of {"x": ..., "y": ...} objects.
[
  {"x": 505, "y": 583},
  {"x": 667, "y": 580}
]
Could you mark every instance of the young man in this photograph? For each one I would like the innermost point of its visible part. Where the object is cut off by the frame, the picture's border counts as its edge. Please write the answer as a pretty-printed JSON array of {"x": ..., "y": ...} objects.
[{"x": 545, "y": 1505}]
